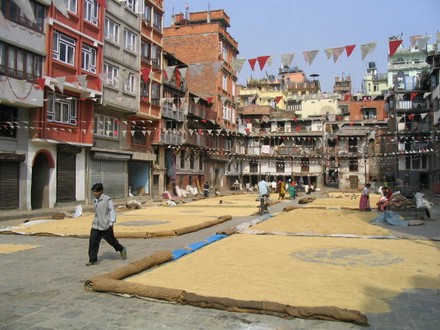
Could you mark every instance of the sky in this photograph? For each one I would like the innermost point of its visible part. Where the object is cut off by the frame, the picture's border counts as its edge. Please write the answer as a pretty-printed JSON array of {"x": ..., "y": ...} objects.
[{"x": 277, "y": 27}]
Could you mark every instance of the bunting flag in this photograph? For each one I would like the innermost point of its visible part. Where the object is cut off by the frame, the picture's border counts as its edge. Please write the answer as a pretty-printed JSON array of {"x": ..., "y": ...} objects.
[
  {"x": 252, "y": 62},
  {"x": 103, "y": 77},
  {"x": 413, "y": 40},
  {"x": 286, "y": 59},
  {"x": 367, "y": 48},
  {"x": 237, "y": 64},
  {"x": 328, "y": 52},
  {"x": 60, "y": 83},
  {"x": 3, "y": 23},
  {"x": 349, "y": 49},
  {"x": 102, "y": 3},
  {"x": 183, "y": 72},
  {"x": 169, "y": 70},
  {"x": 40, "y": 81},
  {"x": 145, "y": 74},
  {"x": 309, "y": 56},
  {"x": 393, "y": 45},
  {"x": 196, "y": 99},
  {"x": 278, "y": 99},
  {"x": 195, "y": 69},
  {"x": 262, "y": 61},
  {"x": 26, "y": 9},
  {"x": 60, "y": 5},
  {"x": 422, "y": 42},
  {"x": 216, "y": 67},
  {"x": 336, "y": 53},
  {"x": 82, "y": 79},
  {"x": 413, "y": 95},
  {"x": 209, "y": 99},
  {"x": 224, "y": 99}
]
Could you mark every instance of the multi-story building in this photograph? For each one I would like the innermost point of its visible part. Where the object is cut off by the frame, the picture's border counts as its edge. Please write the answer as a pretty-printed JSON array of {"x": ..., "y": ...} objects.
[
  {"x": 22, "y": 63},
  {"x": 374, "y": 84},
  {"x": 410, "y": 124},
  {"x": 210, "y": 72},
  {"x": 65, "y": 124}
]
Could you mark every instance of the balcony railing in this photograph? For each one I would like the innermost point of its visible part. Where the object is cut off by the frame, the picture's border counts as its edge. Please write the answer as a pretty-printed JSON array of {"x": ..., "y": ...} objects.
[
  {"x": 170, "y": 111},
  {"x": 411, "y": 105},
  {"x": 201, "y": 141},
  {"x": 170, "y": 138},
  {"x": 413, "y": 127}
]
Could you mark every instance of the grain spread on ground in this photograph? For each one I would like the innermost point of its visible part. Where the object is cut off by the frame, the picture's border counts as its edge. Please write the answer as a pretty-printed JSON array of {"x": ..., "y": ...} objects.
[{"x": 12, "y": 248}]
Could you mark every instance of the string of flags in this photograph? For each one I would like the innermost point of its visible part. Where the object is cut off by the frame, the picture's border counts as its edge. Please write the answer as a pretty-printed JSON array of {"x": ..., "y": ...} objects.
[{"x": 334, "y": 53}]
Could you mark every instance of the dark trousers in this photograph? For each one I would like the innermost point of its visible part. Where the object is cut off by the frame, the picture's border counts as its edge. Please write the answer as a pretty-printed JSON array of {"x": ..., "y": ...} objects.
[{"x": 95, "y": 239}]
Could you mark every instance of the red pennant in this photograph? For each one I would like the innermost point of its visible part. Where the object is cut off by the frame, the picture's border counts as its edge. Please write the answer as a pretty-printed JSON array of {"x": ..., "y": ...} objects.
[
  {"x": 262, "y": 61},
  {"x": 209, "y": 99},
  {"x": 102, "y": 3},
  {"x": 413, "y": 95},
  {"x": 252, "y": 62},
  {"x": 146, "y": 74},
  {"x": 278, "y": 99},
  {"x": 177, "y": 73},
  {"x": 298, "y": 128},
  {"x": 41, "y": 82},
  {"x": 349, "y": 49},
  {"x": 394, "y": 44},
  {"x": 347, "y": 97}
]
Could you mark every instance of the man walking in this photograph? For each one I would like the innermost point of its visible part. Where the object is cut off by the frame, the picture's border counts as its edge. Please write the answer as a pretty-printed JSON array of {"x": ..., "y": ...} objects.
[{"x": 102, "y": 226}]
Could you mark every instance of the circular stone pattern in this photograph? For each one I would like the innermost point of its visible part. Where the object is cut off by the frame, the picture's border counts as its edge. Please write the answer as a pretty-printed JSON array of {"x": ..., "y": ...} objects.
[{"x": 347, "y": 257}]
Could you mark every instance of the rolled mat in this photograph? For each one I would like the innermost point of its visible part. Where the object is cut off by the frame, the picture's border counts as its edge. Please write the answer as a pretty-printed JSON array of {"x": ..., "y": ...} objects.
[
  {"x": 273, "y": 308},
  {"x": 202, "y": 225},
  {"x": 141, "y": 290},
  {"x": 131, "y": 269}
]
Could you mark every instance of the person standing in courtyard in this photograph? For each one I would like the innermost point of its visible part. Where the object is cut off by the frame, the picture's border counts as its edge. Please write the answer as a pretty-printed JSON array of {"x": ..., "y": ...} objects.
[
  {"x": 364, "y": 203},
  {"x": 102, "y": 226}
]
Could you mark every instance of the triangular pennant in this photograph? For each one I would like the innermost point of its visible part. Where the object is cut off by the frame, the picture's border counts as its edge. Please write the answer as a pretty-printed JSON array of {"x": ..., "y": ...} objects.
[
  {"x": 209, "y": 99},
  {"x": 26, "y": 9},
  {"x": 169, "y": 70},
  {"x": 145, "y": 74},
  {"x": 224, "y": 99},
  {"x": 286, "y": 59},
  {"x": 60, "y": 83},
  {"x": 237, "y": 64},
  {"x": 349, "y": 49},
  {"x": 40, "y": 81},
  {"x": 195, "y": 69},
  {"x": 262, "y": 61},
  {"x": 60, "y": 5},
  {"x": 278, "y": 99},
  {"x": 196, "y": 99},
  {"x": 309, "y": 56},
  {"x": 102, "y": 3},
  {"x": 413, "y": 40},
  {"x": 336, "y": 53},
  {"x": 367, "y": 49},
  {"x": 252, "y": 62},
  {"x": 393, "y": 45},
  {"x": 183, "y": 72},
  {"x": 82, "y": 79},
  {"x": 422, "y": 42},
  {"x": 216, "y": 67},
  {"x": 413, "y": 95},
  {"x": 3, "y": 23},
  {"x": 328, "y": 52}
]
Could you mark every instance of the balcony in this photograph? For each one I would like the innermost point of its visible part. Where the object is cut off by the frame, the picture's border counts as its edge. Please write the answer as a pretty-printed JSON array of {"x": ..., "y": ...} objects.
[
  {"x": 170, "y": 111},
  {"x": 171, "y": 138},
  {"x": 201, "y": 141},
  {"x": 413, "y": 127},
  {"x": 411, "y": 106}
]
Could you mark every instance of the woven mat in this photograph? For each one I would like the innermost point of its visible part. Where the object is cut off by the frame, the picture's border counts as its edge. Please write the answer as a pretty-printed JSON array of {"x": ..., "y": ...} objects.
[{"x": 12, "y": 248}]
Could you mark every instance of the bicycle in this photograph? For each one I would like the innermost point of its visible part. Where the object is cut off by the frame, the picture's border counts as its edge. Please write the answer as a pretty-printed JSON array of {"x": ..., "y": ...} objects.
[{"x": 263, "y": 207}]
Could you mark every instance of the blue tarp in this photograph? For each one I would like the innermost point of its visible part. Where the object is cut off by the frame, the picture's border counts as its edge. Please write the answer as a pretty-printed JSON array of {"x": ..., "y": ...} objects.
[
  {"x": 390, "y": 218},
  {"x": 195, "y": 246}
]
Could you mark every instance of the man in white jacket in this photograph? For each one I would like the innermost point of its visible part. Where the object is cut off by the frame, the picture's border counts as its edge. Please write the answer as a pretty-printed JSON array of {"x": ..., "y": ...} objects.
[{"x": 102, "y": 226}]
